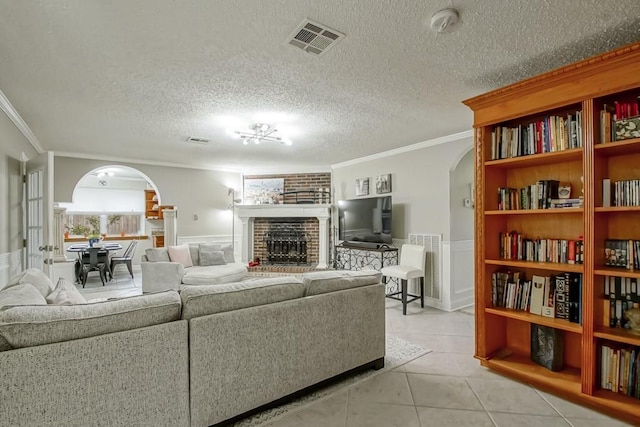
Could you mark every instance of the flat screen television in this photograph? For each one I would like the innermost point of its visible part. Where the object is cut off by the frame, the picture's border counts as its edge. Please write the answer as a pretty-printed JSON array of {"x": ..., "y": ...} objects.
[{"x": 365, "y": 222}]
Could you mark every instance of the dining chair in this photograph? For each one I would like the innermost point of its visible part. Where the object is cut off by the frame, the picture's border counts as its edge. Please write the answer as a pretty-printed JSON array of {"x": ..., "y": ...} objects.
[
  {"x": 411, "y": 266},
  {"x": 94, "y": 259},
  {"x": 126, "y": 258}
]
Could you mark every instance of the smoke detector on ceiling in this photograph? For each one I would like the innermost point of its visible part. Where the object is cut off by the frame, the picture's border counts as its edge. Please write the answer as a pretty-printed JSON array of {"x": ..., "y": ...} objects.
[
  {"x": 314, "y": 38},
  {"x": 444, "y": 20}
]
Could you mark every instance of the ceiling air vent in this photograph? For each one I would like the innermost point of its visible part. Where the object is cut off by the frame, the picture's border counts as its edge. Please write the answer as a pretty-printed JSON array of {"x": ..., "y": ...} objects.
[
  {"x": 314, "y": 38},
  {"x": 198, "y": 140}
]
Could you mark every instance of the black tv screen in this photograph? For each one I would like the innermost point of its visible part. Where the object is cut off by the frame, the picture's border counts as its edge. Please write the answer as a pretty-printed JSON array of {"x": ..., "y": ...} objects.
[{"x": 365, "y": 220}]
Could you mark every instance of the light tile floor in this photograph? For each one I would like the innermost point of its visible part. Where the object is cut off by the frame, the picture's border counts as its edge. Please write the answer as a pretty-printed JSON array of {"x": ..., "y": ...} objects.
[{"x": 446, "y": 387}]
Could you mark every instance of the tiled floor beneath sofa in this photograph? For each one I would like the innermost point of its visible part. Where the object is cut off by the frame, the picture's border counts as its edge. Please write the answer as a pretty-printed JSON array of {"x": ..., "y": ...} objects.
[{"x": 446, "y": 387}]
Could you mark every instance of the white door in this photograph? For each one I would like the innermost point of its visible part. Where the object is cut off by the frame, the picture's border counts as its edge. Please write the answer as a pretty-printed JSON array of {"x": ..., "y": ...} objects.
[{"x": 39, "y": 213}]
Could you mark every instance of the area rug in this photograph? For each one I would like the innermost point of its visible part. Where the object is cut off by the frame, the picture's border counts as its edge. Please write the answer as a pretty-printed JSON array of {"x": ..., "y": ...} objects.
[{"x": 398, "y": 352}]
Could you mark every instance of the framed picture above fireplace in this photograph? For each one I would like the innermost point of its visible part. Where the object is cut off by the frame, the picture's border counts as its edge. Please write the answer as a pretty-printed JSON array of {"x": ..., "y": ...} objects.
[{"x": 262, "y": 191}]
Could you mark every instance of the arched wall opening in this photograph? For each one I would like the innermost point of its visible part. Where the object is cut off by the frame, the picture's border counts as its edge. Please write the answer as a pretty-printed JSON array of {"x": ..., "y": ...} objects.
[{"x": 110, "y": 199}]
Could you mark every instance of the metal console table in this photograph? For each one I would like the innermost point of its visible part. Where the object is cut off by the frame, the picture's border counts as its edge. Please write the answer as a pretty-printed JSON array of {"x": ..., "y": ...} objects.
[{"x": 359, "y": 258}]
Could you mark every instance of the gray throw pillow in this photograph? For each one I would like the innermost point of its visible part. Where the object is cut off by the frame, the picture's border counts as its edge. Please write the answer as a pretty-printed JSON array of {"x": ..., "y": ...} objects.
[
  {"x": 157, "y": 254},
  {"x": 228, "y": 254},
  {"x": 212, "y": 258}
]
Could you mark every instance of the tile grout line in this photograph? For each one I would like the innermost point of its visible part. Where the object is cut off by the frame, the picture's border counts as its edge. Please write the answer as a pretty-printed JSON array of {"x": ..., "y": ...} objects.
[
  {"x": 466, "y": 380},
  {"x": 551, "y": 404}
]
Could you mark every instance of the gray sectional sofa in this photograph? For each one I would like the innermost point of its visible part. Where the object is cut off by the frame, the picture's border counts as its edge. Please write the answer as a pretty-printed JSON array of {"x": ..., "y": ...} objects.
[{"x": 198, "y": 357}]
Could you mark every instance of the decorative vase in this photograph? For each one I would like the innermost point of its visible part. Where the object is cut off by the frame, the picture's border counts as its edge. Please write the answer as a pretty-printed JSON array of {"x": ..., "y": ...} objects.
[
  {"x": 633, "y": 314},
  {"x": 66, "y": 235},
  {"x": 122, "y": 233}
]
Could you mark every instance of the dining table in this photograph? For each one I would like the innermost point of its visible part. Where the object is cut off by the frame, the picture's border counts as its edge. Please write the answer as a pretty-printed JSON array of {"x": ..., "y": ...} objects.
[{"x": 81, "y": 248}]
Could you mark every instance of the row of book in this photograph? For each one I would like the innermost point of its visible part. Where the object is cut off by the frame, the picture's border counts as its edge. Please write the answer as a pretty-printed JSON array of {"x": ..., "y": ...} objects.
[
  {"x": 610, "y": 114},
  {"x": 620, "y": 193},
  {"x": 558, "y": 296},
  {"x": 544, "y": 194},
  {"x": 622, "y": 253},
  {"x": 620, "y": 369},
  {"x": 620, "y": 293},
  {"x": 553, "y": 133},
  {"x": 515, "y": 246}
]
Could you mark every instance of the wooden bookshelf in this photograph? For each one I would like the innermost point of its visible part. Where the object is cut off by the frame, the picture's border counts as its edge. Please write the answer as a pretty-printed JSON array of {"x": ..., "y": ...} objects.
[{"x": 583, "y": 89}]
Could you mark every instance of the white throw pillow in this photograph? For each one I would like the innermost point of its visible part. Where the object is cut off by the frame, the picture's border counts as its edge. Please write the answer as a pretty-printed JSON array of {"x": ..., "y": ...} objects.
[
  {"x": 35, "y": 277},
  {"x": 181, "y": 254},
  {"x": 65, "y": 293},
  {"x": 21, "y": 294}
]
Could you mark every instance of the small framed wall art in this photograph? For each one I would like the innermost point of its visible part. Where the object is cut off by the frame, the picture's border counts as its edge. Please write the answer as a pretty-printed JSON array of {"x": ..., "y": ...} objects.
[
  {"x": 383, "y": 183},
  {"x": 362, "y": 187}
]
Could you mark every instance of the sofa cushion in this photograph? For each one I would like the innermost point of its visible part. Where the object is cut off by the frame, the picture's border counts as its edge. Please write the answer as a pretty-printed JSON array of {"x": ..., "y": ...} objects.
[
  {"x": 194, "y": 250},
  {"x": 21, "y": 294},
  {"x": 226, "y": 248},
  {"x": 214, "y": 274},
  {"x": 35, "y": 277},
  {"x": 200, "y": 301},
  {"x": 26, "y": 326},
  {"x": 157, "y": 254},
  {"x": 180, "y": 254},
  {"x": 212, "y": 258},
  {"x": 65, "y": 293},
  {"x": 322, "y": 282}
]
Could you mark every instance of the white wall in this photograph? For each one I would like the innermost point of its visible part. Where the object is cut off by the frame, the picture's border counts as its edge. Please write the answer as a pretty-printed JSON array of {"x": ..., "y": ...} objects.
[
  {"x": 428, "y": 185},
  {"x": 12, "y": 147},
  {"x": 419, "y": 183},
  {"x": 198, "y": 192}
]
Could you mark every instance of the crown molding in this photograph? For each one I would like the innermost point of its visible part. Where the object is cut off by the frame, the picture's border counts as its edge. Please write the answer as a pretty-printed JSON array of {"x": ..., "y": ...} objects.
[
  {"x": 278, "y": 170},
  {"x": 14, "y": 116},
  {"x": 142, "y": 162},
  {"x": 413, "y": 147}
]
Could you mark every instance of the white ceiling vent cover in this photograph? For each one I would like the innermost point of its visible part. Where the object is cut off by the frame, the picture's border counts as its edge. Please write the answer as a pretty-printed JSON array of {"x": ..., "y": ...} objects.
[
  {"x": 314, "y": 38},
  {"x": 198, "y": 140}
]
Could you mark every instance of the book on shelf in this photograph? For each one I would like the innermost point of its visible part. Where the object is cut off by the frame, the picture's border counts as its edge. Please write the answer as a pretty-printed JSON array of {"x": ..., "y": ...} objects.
[
  {"x": 625, "y": 193},
  {"x": 620, "y": 294},
  {"x": 606, "y": 192},
  {"x": 547, "y": 347},
  {"x": 621, "y": 253},
  {"x": 515, "y": 246},
  {"x": 551, "y": 134},
  {"x": 620, "y": 369}
]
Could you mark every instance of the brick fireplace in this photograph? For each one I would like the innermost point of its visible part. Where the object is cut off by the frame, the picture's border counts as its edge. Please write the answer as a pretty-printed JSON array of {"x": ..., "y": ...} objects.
[
  {"x": 313, "y": 218},
  {"x": 286, "y": 240}
]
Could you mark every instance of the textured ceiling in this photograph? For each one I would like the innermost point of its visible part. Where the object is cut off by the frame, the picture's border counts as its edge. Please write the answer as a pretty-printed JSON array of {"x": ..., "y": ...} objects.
[{"x": 134, "y": 78}]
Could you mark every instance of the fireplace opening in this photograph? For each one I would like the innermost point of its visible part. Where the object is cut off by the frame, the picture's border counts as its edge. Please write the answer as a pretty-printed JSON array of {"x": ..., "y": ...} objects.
[{"x": 286, "y": 243}]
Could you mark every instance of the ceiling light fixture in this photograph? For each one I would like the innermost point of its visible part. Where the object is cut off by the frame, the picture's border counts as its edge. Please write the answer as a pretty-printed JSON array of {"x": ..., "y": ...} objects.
[
  {"x": 261, "y": 132},
  {"x": 444, "y": 20},
  {"x": 102, "y": 174}
]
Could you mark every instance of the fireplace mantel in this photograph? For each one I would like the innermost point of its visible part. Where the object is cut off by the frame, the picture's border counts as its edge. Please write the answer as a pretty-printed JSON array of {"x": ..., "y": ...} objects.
[{"x": 247, "y": 213}]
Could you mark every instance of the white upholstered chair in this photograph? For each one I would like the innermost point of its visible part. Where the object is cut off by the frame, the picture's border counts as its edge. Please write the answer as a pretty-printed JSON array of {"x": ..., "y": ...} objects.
[{"x": 411, "y": 266}]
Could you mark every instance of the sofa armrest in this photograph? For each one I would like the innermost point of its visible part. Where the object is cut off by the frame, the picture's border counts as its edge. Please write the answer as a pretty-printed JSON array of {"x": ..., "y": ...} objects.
[{"x": 161, "y": 276}]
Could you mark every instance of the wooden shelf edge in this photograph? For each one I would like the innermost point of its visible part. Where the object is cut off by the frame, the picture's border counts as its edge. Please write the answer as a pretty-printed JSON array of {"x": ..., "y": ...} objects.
[
  {"x": 617, "y": 335},
  {"x": 573, "y": 268},
  {"x": 614, "y": 209},
  {"x": 536, "y": 159},
  {"x": 551, "y": 211},
  {"x": 521, "y": 367},
  {"x": 619, "y": 272},
  {"x": 524, "y": 316}
]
